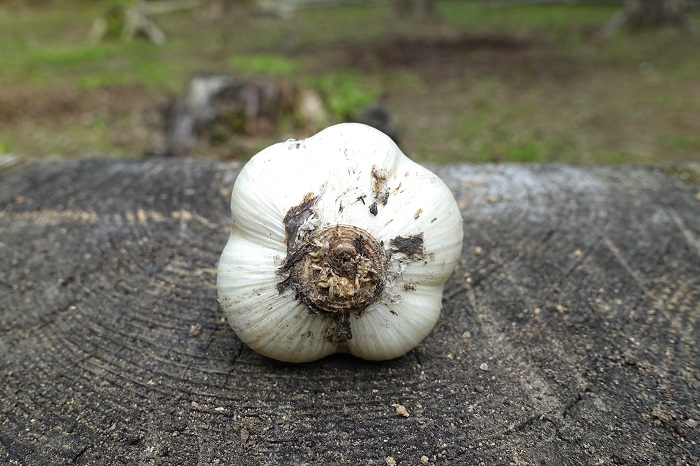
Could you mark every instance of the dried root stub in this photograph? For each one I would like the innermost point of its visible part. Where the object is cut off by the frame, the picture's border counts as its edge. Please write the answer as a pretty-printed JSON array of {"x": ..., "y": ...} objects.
[{"x": 338, "y": 270}]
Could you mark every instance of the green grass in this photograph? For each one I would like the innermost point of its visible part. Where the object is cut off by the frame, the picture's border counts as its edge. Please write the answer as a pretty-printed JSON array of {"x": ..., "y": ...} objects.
[
  {"x": 568, "y": 95},
  {"x": 345, "y": 93},
  {"x": 272, "y": 65}
]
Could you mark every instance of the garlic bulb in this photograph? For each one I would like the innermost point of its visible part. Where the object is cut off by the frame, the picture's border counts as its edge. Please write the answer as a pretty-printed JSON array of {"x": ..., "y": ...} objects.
[{"x": 339, "y": 243}]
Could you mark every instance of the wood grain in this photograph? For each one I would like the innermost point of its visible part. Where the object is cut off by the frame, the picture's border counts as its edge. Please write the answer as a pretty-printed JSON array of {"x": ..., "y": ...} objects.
[{"x": 569, "y": 332}]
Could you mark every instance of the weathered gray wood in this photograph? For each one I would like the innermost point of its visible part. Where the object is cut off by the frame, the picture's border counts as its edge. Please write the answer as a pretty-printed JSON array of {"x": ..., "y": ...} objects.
[{"x": 568, "y": 335}]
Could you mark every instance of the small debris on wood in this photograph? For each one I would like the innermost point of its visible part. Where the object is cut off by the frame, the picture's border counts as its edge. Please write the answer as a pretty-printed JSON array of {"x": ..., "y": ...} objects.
[
  {"x": 400, "y": 410},
  {"x": 195, "y": 330},
  {"x": 244, "y": 435}
]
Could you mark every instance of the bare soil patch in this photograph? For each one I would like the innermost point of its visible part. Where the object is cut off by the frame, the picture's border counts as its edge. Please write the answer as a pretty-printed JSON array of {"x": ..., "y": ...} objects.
[
  {"x": 417, "y": 52},
  {"x": 64, "y": 104},
  {"x": 437, "y": 58}
]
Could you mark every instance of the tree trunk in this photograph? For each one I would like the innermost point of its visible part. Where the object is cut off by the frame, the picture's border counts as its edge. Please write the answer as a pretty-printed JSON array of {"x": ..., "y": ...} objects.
[
  {"x": 419, "y": 9},
  {"x": 138, "y": 21},
  {"x": 650, "y": 13},
  {"x": 568, "y": 333}
]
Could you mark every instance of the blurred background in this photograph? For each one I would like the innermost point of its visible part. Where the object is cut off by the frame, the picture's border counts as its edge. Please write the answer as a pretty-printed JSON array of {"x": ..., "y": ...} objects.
[{"x": 585, "y": 82}]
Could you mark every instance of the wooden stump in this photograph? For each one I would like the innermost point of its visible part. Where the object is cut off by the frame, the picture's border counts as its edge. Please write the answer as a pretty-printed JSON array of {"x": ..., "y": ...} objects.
[{"x": 568, "y": 333}]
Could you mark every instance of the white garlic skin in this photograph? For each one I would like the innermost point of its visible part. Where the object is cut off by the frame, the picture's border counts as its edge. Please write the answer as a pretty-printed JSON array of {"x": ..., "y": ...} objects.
[{"x": 359, "y": 177}]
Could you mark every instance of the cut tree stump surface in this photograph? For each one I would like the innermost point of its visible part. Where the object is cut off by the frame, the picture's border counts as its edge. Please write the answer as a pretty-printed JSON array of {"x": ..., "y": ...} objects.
[{"x": 568, "y": 333}]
